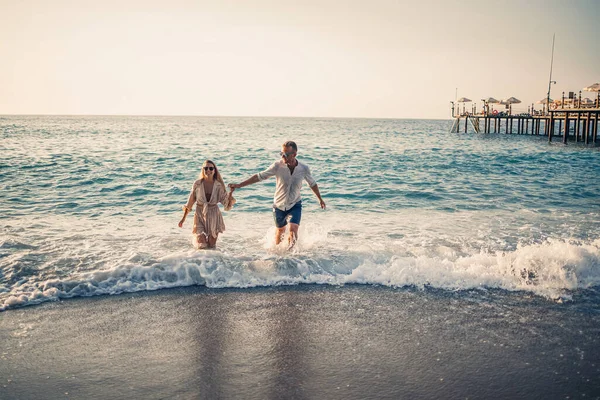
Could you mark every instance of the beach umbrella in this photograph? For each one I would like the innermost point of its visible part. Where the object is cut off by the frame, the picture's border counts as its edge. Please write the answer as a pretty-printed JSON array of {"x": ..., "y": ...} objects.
[
  {"x": 463, "y": 100},
  {"x": 510, "y": 100},
  {"x": 593, "y": 88},
  {"x": 488, "y": 101},
  {"x": 544, "y": 103}
]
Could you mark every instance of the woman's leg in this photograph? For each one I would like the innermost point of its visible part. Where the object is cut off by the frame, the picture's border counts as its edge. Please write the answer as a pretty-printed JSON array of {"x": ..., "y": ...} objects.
[
  {"x": 202, "y": 241},
  {"x": 212, "y": 241}
]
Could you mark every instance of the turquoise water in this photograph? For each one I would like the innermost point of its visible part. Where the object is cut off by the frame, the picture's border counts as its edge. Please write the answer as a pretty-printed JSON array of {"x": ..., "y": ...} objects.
[{"x": 90, "y": 205}]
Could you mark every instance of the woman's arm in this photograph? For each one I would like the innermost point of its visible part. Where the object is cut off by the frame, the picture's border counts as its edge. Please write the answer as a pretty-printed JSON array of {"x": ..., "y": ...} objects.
[
  {"x": 189, "y": 205},
  {"x": 226, "y": 198},
  {"x": 185, "y": 213}
]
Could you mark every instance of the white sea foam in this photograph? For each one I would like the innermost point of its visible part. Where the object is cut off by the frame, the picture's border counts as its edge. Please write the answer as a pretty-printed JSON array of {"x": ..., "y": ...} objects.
[
  {"x": 550, "y": 269},
  {"x": 459, "y": 251}
]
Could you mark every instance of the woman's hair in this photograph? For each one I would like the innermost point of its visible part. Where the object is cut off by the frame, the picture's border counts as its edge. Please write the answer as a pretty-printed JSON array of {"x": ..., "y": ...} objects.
[{"x": 217, "y": 176}]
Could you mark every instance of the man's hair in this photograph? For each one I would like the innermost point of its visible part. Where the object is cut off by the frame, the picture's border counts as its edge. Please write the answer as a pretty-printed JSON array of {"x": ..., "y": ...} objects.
[{"x": 291, "y": 144}]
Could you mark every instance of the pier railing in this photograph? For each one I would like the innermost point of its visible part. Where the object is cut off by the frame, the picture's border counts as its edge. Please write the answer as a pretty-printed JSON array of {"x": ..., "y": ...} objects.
[{"x": 501, "y": 110}]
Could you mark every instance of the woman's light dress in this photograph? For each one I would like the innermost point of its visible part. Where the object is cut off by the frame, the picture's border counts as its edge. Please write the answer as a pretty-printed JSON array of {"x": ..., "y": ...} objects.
[{"x": 208, "y": 219}]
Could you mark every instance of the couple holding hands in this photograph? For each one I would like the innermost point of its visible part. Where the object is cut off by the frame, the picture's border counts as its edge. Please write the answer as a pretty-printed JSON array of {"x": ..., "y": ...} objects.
[{"x": 209, "y": 190}]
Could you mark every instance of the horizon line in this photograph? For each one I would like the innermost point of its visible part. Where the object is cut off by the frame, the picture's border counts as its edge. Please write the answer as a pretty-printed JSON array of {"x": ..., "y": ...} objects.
[{"x": 211, "y": 116}]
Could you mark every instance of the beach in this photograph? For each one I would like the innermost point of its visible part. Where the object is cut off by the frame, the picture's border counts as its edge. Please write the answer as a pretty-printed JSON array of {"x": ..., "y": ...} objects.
[
  {"x": 353, "y": 342},
  {"x": 440, "y": 180}
]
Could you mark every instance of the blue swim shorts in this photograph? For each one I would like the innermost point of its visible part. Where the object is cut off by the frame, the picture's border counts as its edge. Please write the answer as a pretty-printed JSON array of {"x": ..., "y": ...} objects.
[{"x": 295, "y": 214}]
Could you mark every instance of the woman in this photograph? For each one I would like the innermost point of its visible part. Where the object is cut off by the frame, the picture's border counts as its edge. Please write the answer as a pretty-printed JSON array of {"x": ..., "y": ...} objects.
[{"x": 207, "y": 192}]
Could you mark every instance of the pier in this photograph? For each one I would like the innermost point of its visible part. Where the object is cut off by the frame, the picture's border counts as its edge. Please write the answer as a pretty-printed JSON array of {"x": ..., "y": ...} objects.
[{"x": 570, "y": 119}]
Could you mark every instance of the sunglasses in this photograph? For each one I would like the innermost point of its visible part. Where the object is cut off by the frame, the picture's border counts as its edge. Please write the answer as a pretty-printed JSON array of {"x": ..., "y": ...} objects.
[
  {"x": 284, "y": 154},
  {"x": 209, "y": 168}
]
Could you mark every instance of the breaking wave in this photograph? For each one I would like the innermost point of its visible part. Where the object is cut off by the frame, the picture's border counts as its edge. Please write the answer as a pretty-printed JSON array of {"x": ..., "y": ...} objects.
[{"x": 551, "y": 269}]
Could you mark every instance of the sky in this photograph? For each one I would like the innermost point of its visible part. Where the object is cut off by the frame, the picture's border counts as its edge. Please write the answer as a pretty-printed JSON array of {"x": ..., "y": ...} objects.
[{"x": 310, "y": 58}]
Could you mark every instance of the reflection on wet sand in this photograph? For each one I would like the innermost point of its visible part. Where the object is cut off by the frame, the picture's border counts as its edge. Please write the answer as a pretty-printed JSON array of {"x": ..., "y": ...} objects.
[
  {"x": 254, "y": 348},
  {"x": 211, "y": 329},
  {"x": 288, "y": 336}
]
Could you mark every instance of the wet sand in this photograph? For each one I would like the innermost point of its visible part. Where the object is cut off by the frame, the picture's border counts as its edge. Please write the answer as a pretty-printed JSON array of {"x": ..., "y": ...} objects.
[{"x": 302, "y": 342}]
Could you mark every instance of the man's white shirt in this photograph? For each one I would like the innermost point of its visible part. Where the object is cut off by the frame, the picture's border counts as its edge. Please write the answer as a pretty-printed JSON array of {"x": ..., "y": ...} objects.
[{"x": 287, "y": 187}]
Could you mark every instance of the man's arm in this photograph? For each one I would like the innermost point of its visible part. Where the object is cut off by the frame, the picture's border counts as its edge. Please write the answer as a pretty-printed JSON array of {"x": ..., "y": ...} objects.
[
  {"x": 315, "y": 189},
  {"x": 249, "y": 181},
  {"x": 267, "y": 173}
]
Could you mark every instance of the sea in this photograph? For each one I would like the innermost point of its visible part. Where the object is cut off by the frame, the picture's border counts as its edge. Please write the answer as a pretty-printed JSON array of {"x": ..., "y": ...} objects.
[{"x": 89, "y": 207}]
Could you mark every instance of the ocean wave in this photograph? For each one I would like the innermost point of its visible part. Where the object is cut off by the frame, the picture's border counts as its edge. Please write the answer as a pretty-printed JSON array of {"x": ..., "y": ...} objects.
[
  {"x": 552, "y": 269},
  {"x": 14, "y": 244}
]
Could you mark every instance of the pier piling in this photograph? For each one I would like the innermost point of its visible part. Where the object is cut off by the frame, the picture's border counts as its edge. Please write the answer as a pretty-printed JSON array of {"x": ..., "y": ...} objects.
[{"x": 566, "y": 132}]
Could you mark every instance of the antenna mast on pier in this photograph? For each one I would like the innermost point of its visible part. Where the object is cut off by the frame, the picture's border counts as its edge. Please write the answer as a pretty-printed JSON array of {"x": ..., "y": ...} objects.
[{"x": 550, "y": 81}]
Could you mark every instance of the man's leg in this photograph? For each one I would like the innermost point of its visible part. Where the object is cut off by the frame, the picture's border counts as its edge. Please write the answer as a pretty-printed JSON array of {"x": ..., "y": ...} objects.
[
  {"x": 293, "y": 236},
  {"x": 279, "y": 234},
  {"x": 295, "y": 217},
  {"x": 280, "y": 218}
]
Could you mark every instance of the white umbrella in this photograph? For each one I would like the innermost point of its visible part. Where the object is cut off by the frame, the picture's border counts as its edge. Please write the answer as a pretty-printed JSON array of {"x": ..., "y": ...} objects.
[
  {"x": 543, "y": 101},
  {"x": 491, "y": 100},
  {"x": 463, "y": 100},
  {"x": 510, "y": 100},
  {"x": 594, "y": 88}
]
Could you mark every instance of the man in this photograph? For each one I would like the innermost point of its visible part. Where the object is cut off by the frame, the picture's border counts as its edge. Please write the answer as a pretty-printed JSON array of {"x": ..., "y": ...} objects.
[{"x": 289, "y": 173}]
